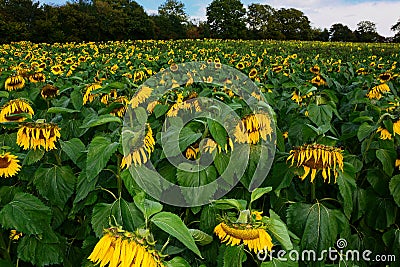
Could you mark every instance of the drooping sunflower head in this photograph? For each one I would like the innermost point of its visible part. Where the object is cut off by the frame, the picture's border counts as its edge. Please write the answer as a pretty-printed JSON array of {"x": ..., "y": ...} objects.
[
  {"x": 14, "y": 235},
  {"x": 38, "y": 135},
  {"x": 9, "y": 112},
  {"x": 89, "y": 96},
  {"x": 120, "y": 248},
  {"x": 192, "y": 152},
  {"x": 140, "y": 153},
  {"x": 252, "y": 128},
  {"x": 119, "y": 111},
  {"x": 37, "y": 77},
  {"x": 376, "y": 92},
  {"x": 315, "y": 69},
  {"x": 8, "y": 165},
  {"x": 317, "y": 157},
  {"x": 256, "y": 239},
  {"x": 318, "y": 80},
  {"x": 385, "y": 134},
  {"x": 384, "y": 77},
  {"x": 49, "y": 91},
  {"x": 140, "y": 97},
  {"x": 14, "y": 83}
]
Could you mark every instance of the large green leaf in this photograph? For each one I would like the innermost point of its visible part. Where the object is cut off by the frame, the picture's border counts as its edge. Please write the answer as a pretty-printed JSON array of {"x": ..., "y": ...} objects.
[
  {"x": 100, "y": 120},
  {"x": 26, "y": 213},
  {"x": 259, "y": 192},
  {"x": 225, "y": 204},
  {"x": 278, "y": 229},
  {"x": 55, "y": 184},
  {"x": 173, "y": 225},
  {"x": 218, "y": 132},
  {"x": 177, "y": 262},
  {"x": 234, "y": 256},
  {"x": 40, "y": 252},
  {"x": 320, "y": 114},
  {"x": 120, "y": 211},
  {"x": 364, "y": 131},
  {"x": 61, "y": 110},
  {"x": 315, "y": 223},
  {"x": 381, "y": 212},
  {"x": 347, "y": 185},
  {"x": 84, "y": 186},
  {"x": 394, "y": 187},
  {"x": 387, "y": 158},
  {"x": 195, "y": 178},
  {"x": 146, "y": 206},
  {"x": 100, "y": 151},
  {"x": 74, "y": 148},
  {"x": 392, "y": 241},
  {"x": 33, "y": 156},
  {"x": 200, "y": 237}
]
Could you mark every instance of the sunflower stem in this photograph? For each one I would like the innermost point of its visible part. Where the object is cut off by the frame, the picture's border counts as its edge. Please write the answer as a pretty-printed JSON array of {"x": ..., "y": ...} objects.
[
  {"x": 313, "y": 185},
  {"x": 6, "y": 250},
  {"x": 164, "y": 246},
  {"x": 118, "y": 175}
]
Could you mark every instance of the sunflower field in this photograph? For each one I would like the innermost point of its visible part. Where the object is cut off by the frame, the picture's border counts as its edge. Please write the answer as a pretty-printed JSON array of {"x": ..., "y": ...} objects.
[{"x": 81, "y": 124}]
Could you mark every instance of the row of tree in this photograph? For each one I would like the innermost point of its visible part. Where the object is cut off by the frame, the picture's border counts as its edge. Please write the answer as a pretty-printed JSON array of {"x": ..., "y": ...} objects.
[{"x": 102, "y": 20}]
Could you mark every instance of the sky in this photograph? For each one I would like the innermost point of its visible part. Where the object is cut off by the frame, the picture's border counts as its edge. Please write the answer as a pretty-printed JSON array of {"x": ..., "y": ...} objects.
[{"x": 321, "y": 13}]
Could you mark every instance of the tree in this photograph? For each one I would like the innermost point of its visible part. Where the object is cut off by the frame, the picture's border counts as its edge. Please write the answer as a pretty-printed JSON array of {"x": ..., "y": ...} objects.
[
  {"x": 259, "y": 20},
  {"x": 341, "y": 33},
  {"x": 396, "y": 28},
  {"x": 292, "y": 24},
  {"x": 226, "y": 19},
  {"x": 366, "y": 32},
  {"x": 320, "y": 35},
  {"x": 173, "y": 8}
]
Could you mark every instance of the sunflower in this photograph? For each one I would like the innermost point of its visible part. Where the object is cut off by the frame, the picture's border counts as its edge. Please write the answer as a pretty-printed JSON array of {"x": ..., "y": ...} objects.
[
  {"x": 14, "y": 83},
  {"x": 361, "y": 71},
  {"x": 49, "y": 91},
  {"x": 9, "y": 112},
  {"x": 277, "y": 69},
  {"x": 315, "y": 69},
  {"x": 174, "y": 67},
  {"x": 88, "y": 96},
  {"x": 396, "y": 127},
  {"x": 256, "y": 239},
  {"x": 384, "y": 77},
  {"x": 318, "y": 80},
  {"x": 385, "y": 134},
  {"x": 210, "y": 145},
  {"x": 191, "y": 152},
  {"x": 120, "y": 111},
  {"x": 140, "y": 154},
  {"x": 37, "y": 77},
  {"x": 8, "y": 165},
  {"x": 120, "y": 248},
  {"x": 253, "y": 73},
  {"x": 141, "y": 95},
  {"x": 252, "y": 128},
  {"x": 240, "y": 65},
  {"x": 317, "y": 157},
  {"x": 37, "y": 135},
  {"x": 377, "y": 91},
  {"x": 14, "y": 235},
  {"x": 189, "y": 104},
  {"x": 57, "y": 69}
]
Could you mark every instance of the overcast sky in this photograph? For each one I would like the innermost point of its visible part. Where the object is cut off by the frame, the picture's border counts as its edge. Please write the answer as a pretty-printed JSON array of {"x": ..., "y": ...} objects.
[{"x": 321, "y": 13}]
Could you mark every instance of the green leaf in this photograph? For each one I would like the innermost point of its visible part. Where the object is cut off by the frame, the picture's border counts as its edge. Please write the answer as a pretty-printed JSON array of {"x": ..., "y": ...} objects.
[
  {"x": 160, "y": 110},
  {"x": 74, "y": 148},
  {"x": 364, "y": 131},
  {"x": 200, "y": 237},
  {"x": 61, "y": 110},
  {"x": 33, "y": 156},
  {"x": 4, "y": 94},
  {"x": 225, "y": 204},
  {"x": 381, "y": 211},
  {"x": 217, "y": 132},
  {"x": 26, "y": 213},
  {"x": 315, "y": 223},
  {"x": 187, "y": 137},
  {"x": 320, "y": 115},
  {"x": 55, "y": 184},
  {"x": 124, "y": 213},
  {"x": 177, "y": 262},
  {"x": 100, "y": 151},
  {"x": 173, "y": 225},
  {"x": 76, "y": 99},
  {"x": 193, "y": 177},
  {"x": 84, "y": 186},
  {"x": 259, "y": 192},
  {"x": 347, "y": 185},
  {"x": 392, "y": 241},
  {"x": 147, "y": 207},
  {"x": 40, "y": 252},
  {"x": 103, "y": 119},
  {"x": 394, "y": 187},
  {"x": 234, "y": 256},
  {"x": 387, "y": 158},
  {"x": 278, "y": 229}
]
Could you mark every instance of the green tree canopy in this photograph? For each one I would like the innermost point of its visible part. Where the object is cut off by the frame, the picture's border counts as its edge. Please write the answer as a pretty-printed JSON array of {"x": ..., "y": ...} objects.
[
  {"x": 226, "y": 19},
  {"x": 292, "y": 24},
  {"x": 366, "y": 32},
  {"x": 341, "y": 33},
  {"x": 259, "y": 20}
]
